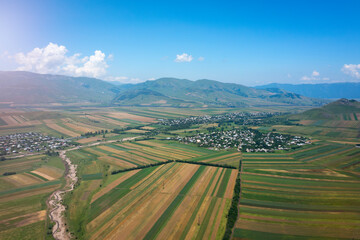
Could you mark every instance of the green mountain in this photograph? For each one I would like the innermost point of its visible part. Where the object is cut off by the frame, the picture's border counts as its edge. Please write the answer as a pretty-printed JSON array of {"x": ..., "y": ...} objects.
[
  {"x": 183, "y": 92},
  {"x": 32, "y": 88},
  {"x": 342, "y": 109}
]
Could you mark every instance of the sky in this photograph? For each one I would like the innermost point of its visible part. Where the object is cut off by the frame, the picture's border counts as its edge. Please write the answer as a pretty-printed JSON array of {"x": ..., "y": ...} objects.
[{"x": 245, "y": 42}]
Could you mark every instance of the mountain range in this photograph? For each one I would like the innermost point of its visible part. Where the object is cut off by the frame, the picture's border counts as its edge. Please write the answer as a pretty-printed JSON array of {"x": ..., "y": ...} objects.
[
  {"x": 186, "y": 93},
  {"x": 31, "y": 88},
  {"x": 323, "y": 90}
]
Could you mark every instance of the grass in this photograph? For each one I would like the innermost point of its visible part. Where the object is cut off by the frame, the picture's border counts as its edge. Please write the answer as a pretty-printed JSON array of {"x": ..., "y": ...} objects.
[
  {"x": 224, "y": 183},
  {"x": 31, "y": 187},
  {"x": 249, "y": 234},
  {"x": 315, "y": 197},
  {"x": 29, "y": 232},
  {"x": 104, "y": 202},
  {"x": 157, "y": 227}
]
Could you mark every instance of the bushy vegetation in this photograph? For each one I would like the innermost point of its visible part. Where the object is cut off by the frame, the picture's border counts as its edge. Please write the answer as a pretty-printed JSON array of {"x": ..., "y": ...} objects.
[
  {"x": 93, "y": 134},
  {"x": 207, "y": 164},
  {"x": 141, "y": 167},
  {"x": 233, "y": 211}
]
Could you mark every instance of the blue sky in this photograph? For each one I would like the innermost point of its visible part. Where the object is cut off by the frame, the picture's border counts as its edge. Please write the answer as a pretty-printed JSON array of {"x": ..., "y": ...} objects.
[{"x": 246, "y": 42}]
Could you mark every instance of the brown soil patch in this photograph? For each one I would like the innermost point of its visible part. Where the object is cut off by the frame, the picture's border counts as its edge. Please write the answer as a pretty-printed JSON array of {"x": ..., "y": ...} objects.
[
  {"x": 27, "y": 193},
  {"x": 49, "y": 172},
  {"x": 136, "y": 131},
  {"x": 148, "y": 156},
  {"x": 123, "y": 115},
  {"x": 108, "y": 120},
  {"x": 62, "y": 130},
  {"x": 231, "y": 184},
  {"x": 222, "y": 157},
  {"x": 43, "y": 175},
  {"x": 22, "y": 179},
  {"x": 24, "y": 219},
  {"x": 117, "y": 161}
]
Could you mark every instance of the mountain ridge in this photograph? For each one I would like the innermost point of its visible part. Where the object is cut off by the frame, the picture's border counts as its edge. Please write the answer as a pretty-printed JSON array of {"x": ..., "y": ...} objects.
[
  {"x": 32, "y": 88},
  {"x": 213, "y": 93}
]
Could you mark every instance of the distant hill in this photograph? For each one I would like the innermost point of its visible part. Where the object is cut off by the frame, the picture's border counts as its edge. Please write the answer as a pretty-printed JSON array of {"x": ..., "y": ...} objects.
[
  {"x": 32, "y": 88},
  {"x": 326, "y": 90},
  {"x": 186, "y": 93},
  {"x": 342, "y": 109}
]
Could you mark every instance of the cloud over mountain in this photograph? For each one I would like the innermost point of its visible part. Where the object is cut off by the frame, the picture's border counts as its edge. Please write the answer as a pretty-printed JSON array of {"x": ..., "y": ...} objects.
[{"x": 54, "y": 59}]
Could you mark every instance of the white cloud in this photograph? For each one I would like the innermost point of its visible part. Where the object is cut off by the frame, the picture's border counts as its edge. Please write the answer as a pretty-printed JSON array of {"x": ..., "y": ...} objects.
[
  {"x": 53, "y": 59},
  {"x": 122, "y": 79},
  {"x": 352, "y": 70},
  {"x": 315, "y": 77},
  {"x": 116, "y": 79},
  {"x": 183, "y": 58},
  {"x": 201, "y": 59},
  {"x": 315, "y": 73},
  {"x": 306, "y": 78},
  {"x": 151, "y": 79},
  {"x": 135, "y": 80}
]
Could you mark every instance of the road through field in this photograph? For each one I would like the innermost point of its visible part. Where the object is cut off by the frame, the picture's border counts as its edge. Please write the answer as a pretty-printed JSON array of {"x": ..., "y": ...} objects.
[{"x": 56, "y": 208}]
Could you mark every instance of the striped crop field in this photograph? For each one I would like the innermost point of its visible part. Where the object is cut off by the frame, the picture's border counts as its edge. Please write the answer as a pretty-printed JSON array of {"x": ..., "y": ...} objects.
[
  {"x": 223, "y": 157},
  {"x": 133, "y": 154},
  {"x": 309, "y": 193},
  {"x": 170, "y": 201},
  {"x": 23, "y": 195}
]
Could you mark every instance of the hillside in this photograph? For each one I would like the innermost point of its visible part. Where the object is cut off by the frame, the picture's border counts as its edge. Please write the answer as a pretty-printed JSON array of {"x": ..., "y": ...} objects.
[
  {"x": 32, "y": 88},
  {"x": 326, "y": 90},
  {"x": 342, "y": 109},
  {"x": 183, "y": 92},
  {"x": 339, "y": 119}
]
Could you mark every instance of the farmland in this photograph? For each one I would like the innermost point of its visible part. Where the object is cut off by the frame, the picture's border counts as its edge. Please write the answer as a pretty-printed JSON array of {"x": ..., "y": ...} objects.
[
  {"x": 68, "y": 122},
  {"x": 23, "y": 210},
  {"x": 103, "y": 204},
  {"x": 76, "y": 120},
  {"x": 174, "y": 200},
  {"x": 157, "y": 188},
  {"x": 308, "y": 193}
]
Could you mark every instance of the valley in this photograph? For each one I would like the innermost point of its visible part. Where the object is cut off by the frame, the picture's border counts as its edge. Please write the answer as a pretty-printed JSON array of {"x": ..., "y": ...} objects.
[{"x": 163, "y": 172}]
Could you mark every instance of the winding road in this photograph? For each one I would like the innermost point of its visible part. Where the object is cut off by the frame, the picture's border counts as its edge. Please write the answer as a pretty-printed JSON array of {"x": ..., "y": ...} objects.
[{"x": 56, "y": 208}]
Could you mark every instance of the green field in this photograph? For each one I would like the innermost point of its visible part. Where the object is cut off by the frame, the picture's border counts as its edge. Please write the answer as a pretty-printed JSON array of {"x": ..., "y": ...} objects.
[
  {"x": 147, "y": 203},
  {"x": 310, "y": 193},
  {"x": 23, "y": 210}
]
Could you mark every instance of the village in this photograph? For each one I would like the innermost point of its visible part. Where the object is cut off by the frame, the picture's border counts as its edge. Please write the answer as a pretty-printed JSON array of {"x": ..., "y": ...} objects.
[
  {"x": 30, "y": 142},
  {"x": 245, "y": 140},
  {"x": 240, "y": 118}
]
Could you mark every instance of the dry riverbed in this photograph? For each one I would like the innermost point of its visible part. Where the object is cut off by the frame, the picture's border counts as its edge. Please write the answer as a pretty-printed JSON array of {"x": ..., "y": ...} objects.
[{"x": 56, "y": 208}]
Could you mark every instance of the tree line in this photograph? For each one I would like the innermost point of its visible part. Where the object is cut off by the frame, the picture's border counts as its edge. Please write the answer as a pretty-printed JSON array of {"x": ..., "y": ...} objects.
[
  {"x": 140, "y": 167},
  {"x": 233, "y": 211},
  {"x": 207, "y": 164}
]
